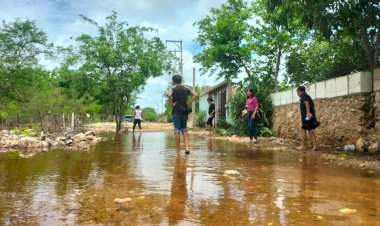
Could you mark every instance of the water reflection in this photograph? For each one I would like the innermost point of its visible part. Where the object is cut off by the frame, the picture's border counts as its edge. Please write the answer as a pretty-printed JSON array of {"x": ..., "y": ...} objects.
[
  {"x": 275, "y": 188},
  {"x": 30, "y": 188},
  {"x": 211, "y": 144},
  {"x": 136, "y": 142},
  {"x": 178, "y": 193}
]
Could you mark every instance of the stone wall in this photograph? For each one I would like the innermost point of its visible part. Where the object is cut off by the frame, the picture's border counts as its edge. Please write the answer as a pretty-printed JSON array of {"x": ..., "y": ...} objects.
[
  {"x": 350, "y": 119},
  {"x": 377, "y": 119}
]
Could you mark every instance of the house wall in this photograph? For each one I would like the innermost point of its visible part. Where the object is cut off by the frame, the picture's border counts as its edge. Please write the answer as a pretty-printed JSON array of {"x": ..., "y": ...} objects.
[
  {"x": 215, "y": 94},
  {"x": 203, "y": 105}
]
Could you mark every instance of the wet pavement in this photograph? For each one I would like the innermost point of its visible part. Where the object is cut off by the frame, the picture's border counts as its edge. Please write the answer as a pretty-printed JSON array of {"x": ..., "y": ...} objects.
[{"x": 153, "y": 185}]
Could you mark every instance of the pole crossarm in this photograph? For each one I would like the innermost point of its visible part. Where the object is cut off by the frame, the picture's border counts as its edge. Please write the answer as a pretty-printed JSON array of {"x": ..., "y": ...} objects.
[{"x": 178, "y": 44}]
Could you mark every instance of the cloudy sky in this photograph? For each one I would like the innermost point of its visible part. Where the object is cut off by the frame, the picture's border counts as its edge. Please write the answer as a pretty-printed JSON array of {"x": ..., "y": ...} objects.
[{"x": 172, "y": 18}]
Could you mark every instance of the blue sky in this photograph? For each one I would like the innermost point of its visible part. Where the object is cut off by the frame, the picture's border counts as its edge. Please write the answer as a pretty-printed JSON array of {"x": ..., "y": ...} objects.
[{"x": 172, "y": 18}]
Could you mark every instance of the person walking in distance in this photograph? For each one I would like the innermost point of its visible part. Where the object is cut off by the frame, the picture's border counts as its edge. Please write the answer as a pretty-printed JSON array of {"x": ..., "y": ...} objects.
[
  {"x": 178, "y": 98},
  {"x": 211, "y": 115},
  {"x": 308, "y": 119},
  {"x": 137, "y": 118},
  {"x": 252, "y": 105}
]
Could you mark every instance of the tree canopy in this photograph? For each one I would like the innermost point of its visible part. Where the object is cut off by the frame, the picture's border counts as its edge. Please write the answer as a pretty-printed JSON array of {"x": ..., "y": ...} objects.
[
  {"x": 277, "y": 43},
  {"x": 336, "y": 19},
  {"x": 120, "y": 59},
  {"x": 296, "y": 42},
  {"x": 100, "y": 75}
]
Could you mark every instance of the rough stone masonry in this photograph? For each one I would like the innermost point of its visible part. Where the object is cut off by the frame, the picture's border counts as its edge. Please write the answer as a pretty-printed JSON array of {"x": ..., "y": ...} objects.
[{"x": 351, "y": 119}]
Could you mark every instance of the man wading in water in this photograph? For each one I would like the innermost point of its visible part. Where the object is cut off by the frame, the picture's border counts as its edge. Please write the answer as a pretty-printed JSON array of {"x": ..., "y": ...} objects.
[
  {"x": 308, "y": 119},
  {"x": 178, "y": 98},
  {"x": 137, "y": 118},
  {"x": 211, "y": 115}
]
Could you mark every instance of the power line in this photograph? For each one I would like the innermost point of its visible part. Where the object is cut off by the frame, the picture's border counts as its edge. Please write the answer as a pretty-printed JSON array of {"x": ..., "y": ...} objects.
[
  {"x": 178, "y": 45},
  {"x": 192, "y": 54}
]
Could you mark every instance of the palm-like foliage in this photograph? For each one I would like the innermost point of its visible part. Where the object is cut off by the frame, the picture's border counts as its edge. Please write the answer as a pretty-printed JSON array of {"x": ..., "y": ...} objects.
[{"x": 262, "y": 89}]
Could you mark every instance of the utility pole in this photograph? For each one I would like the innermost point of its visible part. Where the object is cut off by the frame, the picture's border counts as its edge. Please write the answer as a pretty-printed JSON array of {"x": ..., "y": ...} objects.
[
  {"x": 193, "y": 106},
  {"x": 178, "y": 49}
]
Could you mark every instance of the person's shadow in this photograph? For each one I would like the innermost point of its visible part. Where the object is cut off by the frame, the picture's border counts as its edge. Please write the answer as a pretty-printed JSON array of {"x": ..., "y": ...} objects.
[
  {"x": 178, "y": 196},
  {"x": 136, "y": 143}
]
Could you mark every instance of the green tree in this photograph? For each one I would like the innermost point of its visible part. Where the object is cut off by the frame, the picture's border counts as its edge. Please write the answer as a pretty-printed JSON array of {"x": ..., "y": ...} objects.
[
  {"x": 150, "y": 114},
  {"x": 241, "y": 36},
  {"x": 121, "y": 59},
  {"x": 322, "y": 60},
  {"x": 336, "y": 19},
  {"x": 226, "y": 38},
  {"x": 22, "y": 44},
  {"x": 76, "y": 83},
  {"x": 272, "y": 42}
]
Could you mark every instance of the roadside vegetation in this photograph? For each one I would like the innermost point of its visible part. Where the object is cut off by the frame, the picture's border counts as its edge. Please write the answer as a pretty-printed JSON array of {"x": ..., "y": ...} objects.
[
  {"x": 277, "y": 45},
  {"x": 274, "y": 45},
  {"x": 97, "y": 79}
]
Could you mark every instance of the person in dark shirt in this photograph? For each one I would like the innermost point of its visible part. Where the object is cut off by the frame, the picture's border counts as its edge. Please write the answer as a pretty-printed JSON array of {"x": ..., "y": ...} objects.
[
  {"x": 178, "y": 98},
  {"x": 308, "y": 118},
  {"x": 211, "y": 115}
]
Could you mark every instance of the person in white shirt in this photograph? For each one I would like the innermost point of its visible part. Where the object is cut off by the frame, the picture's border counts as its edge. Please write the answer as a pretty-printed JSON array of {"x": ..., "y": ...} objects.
[{"x": 137, "y": 118}]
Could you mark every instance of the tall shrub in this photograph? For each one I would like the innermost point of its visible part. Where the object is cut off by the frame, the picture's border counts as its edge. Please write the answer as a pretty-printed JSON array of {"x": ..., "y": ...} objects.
[{"x": 263, "y": 90}]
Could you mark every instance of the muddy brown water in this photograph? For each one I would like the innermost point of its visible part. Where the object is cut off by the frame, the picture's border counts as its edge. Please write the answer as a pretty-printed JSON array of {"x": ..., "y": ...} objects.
[{"x": 275, "y": 188}]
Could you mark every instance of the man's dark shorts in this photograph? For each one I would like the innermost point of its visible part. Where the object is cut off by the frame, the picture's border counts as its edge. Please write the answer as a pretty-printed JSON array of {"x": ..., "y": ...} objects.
[
  {"x": 310, "y": 124},
  {"x": 209, "y": 121}
]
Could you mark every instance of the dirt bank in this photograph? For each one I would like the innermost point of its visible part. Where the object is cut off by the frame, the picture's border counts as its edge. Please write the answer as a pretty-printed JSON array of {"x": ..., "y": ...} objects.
[{"x": 30, "y": 143}]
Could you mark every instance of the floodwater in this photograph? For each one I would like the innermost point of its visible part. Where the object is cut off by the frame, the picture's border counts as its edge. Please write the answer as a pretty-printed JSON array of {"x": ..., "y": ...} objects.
[{"x": 160, "y": 187}]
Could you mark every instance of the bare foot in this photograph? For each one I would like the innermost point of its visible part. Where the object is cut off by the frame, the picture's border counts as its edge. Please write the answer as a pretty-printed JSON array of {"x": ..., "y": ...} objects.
[{"x": 301, "y": 148}]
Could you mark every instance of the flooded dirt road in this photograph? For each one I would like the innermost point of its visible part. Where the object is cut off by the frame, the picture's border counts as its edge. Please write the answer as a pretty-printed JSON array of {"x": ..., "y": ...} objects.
[{"x": 140, "y": 180}]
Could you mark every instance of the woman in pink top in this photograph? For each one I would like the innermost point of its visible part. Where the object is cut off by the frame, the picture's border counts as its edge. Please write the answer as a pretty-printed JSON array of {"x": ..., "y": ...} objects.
[{"x": 252, "y": 106}]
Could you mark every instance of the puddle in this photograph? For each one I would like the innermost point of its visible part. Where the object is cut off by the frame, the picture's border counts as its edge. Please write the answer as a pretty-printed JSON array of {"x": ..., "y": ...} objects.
[{"x": 163, "y": 188}]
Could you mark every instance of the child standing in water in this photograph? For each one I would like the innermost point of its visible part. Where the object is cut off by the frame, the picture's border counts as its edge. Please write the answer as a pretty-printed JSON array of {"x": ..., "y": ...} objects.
[
  {"x": 178, "y": 98},
  {"x": 137, "y": 118},
  {"x": 252, "y": 106},
  {"x": 308, "y": 118},
  {"x": 211, "y": 115}
]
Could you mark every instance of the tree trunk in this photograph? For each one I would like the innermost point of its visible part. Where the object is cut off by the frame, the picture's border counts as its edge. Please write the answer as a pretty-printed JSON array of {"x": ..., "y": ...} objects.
[
  {"x": 377, "y": 46},
  {"x": 63, "y": 122},
  {"x": 116, "y": 118},
  {"x": 18, "y": 120},
  {"x": 41, "y": 121},
  {"x": 56, "y": 122},
  {"x": 277, "y": 70},
  {"x": 118, "y": 124},
  {"x": 247, "y": 70},
  {"x": 119, "y": 112},
  {"x": 119, "y": 118},
  {"x": 370, "y": 52}
]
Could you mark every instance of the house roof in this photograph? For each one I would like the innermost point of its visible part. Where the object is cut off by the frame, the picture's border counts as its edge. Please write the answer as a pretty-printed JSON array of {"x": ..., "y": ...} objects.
[{"x": 217, "y": 87}]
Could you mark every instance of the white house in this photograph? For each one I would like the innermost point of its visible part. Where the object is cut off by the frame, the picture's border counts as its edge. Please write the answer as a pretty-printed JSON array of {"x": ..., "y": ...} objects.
[{"x": 222, "y": 93}]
